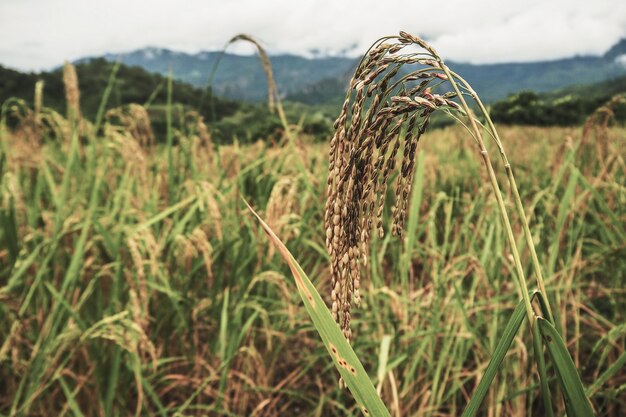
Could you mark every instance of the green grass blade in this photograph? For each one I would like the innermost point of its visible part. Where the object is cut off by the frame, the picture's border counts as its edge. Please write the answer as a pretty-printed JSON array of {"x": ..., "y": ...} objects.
[
  {"x": 344, "y": 358},
  {"x": 576, "y": 401},
  {"x": 543, "y": 303},
  {"x": 495, "y": 363},
  {"x": 112, "y": 381},
  {"x": 169, "y": 139},
  {"x": 156, "y": 401},
  {"x": 70, "y": 396},
  {"x": 563, "y": 213},
  {"x": 618, "y": 365},
  {"x": 222, "y": 349},
  {"x": 411, "y": 232},
  {"x": 9, "y": 231},
  {"x": 105, "y": 97},
  {"x": 543, "y": 375}
]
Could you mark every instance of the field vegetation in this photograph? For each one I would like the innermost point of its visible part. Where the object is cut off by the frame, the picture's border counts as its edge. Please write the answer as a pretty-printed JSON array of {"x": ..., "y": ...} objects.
[{"x": 134, "y": 280}]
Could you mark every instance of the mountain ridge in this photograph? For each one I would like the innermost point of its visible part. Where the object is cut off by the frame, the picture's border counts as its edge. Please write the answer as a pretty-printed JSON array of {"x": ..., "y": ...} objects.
[
  {"x": 323, "y": 79},
  {"x": 316, "y": 80}
]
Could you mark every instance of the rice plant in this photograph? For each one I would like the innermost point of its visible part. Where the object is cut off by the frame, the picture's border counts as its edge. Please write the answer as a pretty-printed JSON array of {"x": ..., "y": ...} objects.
[
  {"x": 380, "y": 115},
  {"x": 134, "y": 282}
]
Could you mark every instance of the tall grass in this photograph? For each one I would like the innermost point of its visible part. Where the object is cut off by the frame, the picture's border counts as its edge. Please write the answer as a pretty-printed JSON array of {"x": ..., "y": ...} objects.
[{"x": 133, "y": 281}]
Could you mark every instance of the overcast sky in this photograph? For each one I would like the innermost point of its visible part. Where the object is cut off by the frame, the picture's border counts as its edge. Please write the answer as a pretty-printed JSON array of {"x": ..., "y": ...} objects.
[{"x": 39, "y": 34}]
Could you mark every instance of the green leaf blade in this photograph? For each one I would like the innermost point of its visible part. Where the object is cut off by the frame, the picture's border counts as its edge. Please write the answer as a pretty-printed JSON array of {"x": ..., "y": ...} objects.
[
  {"x": 347, "y": 363},
  {"x": 576, "y": 400}
]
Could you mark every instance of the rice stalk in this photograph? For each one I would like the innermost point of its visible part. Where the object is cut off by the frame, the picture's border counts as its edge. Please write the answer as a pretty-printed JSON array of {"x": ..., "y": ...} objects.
[
  {"x": 72, "y": 92},
  {"x": 133, "y": 119},
  {"x": 38, "y": 100},
  {"x": 380, "y": 115},
  {"x": 273, "y": 96},
  {"x": 280, "y": 206},
  {"x": 598, "y": 123},
  {"x": 385, "y": 111}
]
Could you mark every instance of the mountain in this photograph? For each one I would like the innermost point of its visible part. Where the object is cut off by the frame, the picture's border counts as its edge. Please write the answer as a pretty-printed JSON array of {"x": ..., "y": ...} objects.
[
  {"x": 494, "y": 82},
  {"x": 617, "y": 51},
  {"x": 238, "y": 77},
  {"x": 324, "y": 80}
]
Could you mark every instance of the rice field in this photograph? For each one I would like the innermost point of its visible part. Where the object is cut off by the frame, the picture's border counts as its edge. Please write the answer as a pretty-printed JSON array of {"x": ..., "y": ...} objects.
[{"x": 134, "y": 281}]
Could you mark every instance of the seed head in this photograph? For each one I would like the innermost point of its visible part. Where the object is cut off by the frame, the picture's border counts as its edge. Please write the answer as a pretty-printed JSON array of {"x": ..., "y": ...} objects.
[{"x": 385, "y": 110}]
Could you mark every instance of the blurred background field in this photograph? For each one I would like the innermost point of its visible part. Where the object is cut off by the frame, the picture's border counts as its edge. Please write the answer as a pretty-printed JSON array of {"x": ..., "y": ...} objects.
[{"x": 135, "y": 282}]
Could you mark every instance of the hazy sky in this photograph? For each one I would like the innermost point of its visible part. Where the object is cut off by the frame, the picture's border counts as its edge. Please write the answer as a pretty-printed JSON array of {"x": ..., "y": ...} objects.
[{"x": 37, "y": 34}]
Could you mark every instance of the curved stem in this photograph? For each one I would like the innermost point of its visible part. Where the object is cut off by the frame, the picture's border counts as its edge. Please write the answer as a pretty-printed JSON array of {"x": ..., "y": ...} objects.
[
  {"x": 496, "y": 189},
  {"x": 516, "y": 196}
]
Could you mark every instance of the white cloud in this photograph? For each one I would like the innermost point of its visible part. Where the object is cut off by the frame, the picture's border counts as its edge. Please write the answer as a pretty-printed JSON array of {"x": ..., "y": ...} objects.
[{"x": 40, "y": 34}]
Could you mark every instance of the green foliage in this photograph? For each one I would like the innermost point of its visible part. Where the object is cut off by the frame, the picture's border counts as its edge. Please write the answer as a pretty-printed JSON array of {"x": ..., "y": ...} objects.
[
  {"x": 569, "y": 109},
  {"x": 107, "y": 269}
]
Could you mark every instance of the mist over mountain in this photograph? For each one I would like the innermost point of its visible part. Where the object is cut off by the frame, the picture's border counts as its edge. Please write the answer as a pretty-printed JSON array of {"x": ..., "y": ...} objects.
[{"x": 324, "y": 79}]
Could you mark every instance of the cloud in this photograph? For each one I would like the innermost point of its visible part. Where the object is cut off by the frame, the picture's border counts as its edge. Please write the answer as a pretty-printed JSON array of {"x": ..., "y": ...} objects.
[{"x": 40, "y": 34}]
